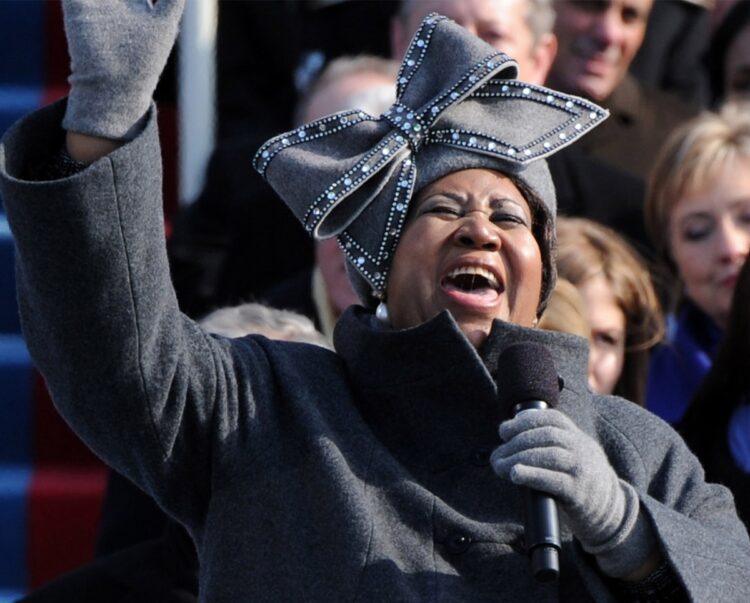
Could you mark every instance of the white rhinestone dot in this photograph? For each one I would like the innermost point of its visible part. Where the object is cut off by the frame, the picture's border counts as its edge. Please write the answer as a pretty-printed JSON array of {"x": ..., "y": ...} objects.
[
  {"x": 472, "y": 140},
  {"x": 491, "y": 146}
]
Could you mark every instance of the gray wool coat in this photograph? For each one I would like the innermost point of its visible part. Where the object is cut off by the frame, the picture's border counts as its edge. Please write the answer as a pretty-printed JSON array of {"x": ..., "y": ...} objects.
[{"x": 303, "y": 474}]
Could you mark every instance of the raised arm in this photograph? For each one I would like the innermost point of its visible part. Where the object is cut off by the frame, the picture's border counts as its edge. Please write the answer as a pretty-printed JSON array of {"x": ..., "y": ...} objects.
[
  {"x": 138, "y": 381},
  {"x": 118, "y": 50}
]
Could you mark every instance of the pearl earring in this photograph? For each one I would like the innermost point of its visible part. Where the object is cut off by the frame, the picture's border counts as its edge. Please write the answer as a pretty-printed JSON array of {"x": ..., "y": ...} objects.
[{"x": 381, "y": 313}]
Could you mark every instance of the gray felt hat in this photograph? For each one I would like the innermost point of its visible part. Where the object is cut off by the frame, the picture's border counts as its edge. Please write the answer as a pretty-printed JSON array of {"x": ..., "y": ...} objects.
[{"x": 458, "y": 106}]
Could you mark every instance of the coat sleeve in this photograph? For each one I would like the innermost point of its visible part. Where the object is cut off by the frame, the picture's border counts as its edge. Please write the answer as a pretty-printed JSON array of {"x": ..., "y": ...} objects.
[
  {"x": 141, "y": 384},
  {"x": 695, "y": 522}
]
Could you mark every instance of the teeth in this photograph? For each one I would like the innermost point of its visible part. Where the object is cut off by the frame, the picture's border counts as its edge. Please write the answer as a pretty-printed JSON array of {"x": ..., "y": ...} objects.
[{"x": 475, "y": 270}]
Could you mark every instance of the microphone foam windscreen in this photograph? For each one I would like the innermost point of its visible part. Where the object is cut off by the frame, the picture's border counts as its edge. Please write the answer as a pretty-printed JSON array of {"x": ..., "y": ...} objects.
[{"x": 525, "y": 372}]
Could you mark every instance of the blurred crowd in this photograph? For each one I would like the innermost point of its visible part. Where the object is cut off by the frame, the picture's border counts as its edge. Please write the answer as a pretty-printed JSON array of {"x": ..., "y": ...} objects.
[{"x": 654, "y": 227}]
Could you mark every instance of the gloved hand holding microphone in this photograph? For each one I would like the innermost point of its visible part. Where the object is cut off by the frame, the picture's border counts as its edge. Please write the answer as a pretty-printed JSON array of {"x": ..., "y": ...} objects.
[{"x": 544, "y": 450}]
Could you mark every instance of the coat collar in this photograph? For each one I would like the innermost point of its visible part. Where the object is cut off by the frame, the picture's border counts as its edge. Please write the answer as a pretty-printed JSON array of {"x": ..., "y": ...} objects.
[{"x": 429, "y": 394}]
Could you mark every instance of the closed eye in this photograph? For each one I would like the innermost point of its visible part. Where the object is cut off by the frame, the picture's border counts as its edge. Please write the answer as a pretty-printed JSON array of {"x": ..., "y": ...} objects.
[
  {"x": 442, "y": 209},
  {"x": 511, "y": 218}
]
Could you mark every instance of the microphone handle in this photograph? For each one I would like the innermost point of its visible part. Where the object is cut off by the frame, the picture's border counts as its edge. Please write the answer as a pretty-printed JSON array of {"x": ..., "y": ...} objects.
[{"x": 541, "y": 523}]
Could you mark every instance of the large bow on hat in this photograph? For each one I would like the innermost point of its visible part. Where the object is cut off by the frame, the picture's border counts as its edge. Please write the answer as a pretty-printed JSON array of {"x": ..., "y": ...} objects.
[{"x": 352, "y": 175}]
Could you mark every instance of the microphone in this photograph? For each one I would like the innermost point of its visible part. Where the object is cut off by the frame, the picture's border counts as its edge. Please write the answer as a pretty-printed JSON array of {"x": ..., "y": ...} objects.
[{"x": 527, "y": 382}]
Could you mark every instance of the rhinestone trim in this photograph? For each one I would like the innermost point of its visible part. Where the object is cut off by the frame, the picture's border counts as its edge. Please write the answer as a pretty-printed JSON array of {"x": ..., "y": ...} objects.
[{"x": 374, "y": 266}]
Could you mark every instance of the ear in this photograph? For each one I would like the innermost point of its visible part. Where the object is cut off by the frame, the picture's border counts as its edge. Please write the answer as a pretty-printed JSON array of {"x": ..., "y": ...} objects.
[{"x": 543, "y": 56}]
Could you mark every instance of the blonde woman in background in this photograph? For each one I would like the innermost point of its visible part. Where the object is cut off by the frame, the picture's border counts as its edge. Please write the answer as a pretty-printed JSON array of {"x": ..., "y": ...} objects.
[
  {"x": 620, "y": 304},
  {"x": 698, "y": 217}
]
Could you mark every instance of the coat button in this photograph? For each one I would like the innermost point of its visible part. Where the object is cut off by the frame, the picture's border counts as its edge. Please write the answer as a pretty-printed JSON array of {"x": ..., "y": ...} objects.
[{"x": 457, "y": 543}]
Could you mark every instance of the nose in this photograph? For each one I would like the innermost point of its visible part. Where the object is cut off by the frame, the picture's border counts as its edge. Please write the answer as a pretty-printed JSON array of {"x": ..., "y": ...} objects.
[
  {"x": 733, "y": 241},
  {"x": 477, "y": 231}
]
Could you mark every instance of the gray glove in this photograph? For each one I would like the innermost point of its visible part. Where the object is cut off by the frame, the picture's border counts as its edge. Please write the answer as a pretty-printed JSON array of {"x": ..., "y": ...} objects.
[
  {"x": 546, "y": 451},
  {"x": 118, "y": 49}
]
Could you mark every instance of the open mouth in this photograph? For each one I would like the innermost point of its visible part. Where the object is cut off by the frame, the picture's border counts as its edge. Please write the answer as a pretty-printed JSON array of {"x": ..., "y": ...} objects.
[{"x": 471, "y": 279}]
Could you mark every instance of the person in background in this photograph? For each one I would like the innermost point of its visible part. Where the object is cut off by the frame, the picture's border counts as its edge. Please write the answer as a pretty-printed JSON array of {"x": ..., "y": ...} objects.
[
  {"x": 716, "y": 425},
  {"x": 698, "y": 216},
  {"x": 619, "y": 302},
  {"x": 522, "y": 29},
  {"x": 219, "y": 248},
  {"x": 597, "y": 42},
  {"x": 363, "y": 82}
]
